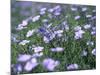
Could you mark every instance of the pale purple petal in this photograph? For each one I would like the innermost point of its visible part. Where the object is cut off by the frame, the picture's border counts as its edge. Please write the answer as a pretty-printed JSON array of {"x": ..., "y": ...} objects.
[
  {"x": 33, "y": 60},
  {"x": 38, "y": 49},
  {"x": 57, "y": 13},
  {"x": 57, "y": 49},
  {"x": 88, "y": 16},
  {"x": 79, "y": 34},
  {"x": 45, "y": 39},
  {"x": 93, "y": 32},
  {"x": 42, "y": 12},
  {"x": 74, "y": 9},
  {"x": 87, "y": 26},
  {"x": 59, "y": 35},
  {"x": 38, "y": 54},
  {"x": 43, "y": 9},
  {"x": 77, "y": 28},
  {"x": 30, "y": 33},
  {"x": 94, "y": 17},
  {"x": 50, "y": 64},
  {"x": 84, "y": 9},
  {"x": 24, "y": 23},
  {"x": 36, "y": 18},
  {"x": 50, "y": 10},
  {"x": 19, "y": 68},
  {"x": 77, "y": 17},
  {"x": 29, "y": 66},
  {"x": 20, "y": 27},
  {"x": 72, "y": 67},
  {"x": 58, "y": 31},
  {"x": 56, "y": 7},
  {"x": 24, "y": 58},
  {"x": 94, "y": 51},
  {"x": 94, "y": 28},
  {"x": 24, "y": 42}
]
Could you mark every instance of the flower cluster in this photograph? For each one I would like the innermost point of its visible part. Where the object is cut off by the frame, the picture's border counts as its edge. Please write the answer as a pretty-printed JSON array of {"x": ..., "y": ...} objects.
[{"x": 78, "y": 32}]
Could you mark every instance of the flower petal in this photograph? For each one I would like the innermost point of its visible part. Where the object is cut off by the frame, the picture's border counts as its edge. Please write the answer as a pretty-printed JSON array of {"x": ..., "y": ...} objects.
[
  {"x": 72, "y": 67},
  {"x": 29, "y": 66},
  {"x": 23, "y": 58}
]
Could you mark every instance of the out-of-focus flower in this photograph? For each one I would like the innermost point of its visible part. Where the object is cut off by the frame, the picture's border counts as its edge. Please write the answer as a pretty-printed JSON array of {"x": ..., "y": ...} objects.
[
  {"x": 42, "y": 30},
  {"x": 50, "y": 64},
  {"x": 57, "y": 49},
  {"x": 94, "y": 28},
  {"x": 50, "y": 16},
  {"x": 30, "y": 64},
  {"x": 77, "y": 17},
  {"x": 94, "y": 17},
  {"x": 58, "y": 32},
  {"x": 84, "y": 53},
  {"x": 20, "y": 27},
  {"x": 24, "y": 23},
  {"x": 30, "y": 33},
  {"x": 94, "y": 51},
  {"x": 36, "y": 18},
  {"x": 65, "y": 26},
  {"x": 87, "y": 26},
  {"x": 79, "y": 34},
  {"x": 43, "y": 9},
  {"x": 94, "y": 10},
  {"x": 17, "y": 68},
  {"x": 37, "y": 54},
  {"x": 45, "y": 20},
  {"x": 77, "y": 28},
  {"x": 57, "y": 8},
  {"x": 50, "y": 10},
  {"x": 33, "y": 60},
  {"x": 24, "y": 58},
  {"x": 48, "y": 37},
  {"x": 45, "y": 39},
  {"x": 49, "y": 25},
  {"x": 72, "y": 67},
  {"x": 14, "y": 39},
  {"x": 57, "y": 13},
  {"x": 90, "y": 43},
  {"x": 59, "y": 35},
  {"x": 84, "y": 9},
  {"x": 38, "y": 49},
  {"x": 88, "y": 16},
  {"x": 24, "y": 42},
  {"x": 42, "y": 12},
  {"x": 93, "y": 32},
  {"x": 73, "y": 8}
]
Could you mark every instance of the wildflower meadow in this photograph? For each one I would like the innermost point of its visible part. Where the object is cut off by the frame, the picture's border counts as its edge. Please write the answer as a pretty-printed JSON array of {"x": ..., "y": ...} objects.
[{"x": 52, "y": 37}]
